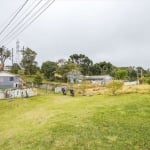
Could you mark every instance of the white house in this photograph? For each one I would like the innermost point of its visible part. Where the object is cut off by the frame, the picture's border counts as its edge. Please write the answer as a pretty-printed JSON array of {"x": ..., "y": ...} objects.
[
  {"x": 8, "y": 80},
  {"x": 102, "y": 79}
]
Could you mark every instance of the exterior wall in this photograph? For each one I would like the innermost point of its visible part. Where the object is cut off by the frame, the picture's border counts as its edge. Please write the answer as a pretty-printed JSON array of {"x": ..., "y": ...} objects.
[
  {"x": 99, "y": 79},
  {"x": 59, "y": 89},
  {"x": 107, "y": 80},
  {"x": 2, "y": 95},
  {"x": 8, "y": 81},
  {"x": 17, "y": 93}
]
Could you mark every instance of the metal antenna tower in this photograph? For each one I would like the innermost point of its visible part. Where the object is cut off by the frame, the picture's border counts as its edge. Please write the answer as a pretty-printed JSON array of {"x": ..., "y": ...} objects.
[{"x": 17, "y": 52}]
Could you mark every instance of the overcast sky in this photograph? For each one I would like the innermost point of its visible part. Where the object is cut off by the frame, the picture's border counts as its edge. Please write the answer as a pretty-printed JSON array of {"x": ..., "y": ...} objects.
[{"x": 117, "y": 31}]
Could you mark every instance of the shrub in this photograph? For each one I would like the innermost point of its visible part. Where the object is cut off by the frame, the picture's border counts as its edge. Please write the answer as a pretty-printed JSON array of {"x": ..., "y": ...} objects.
[
  {"x": 147, "y": 80},
  {"x": 37, "y": 80},
  {"x": 114, "y": 86}
]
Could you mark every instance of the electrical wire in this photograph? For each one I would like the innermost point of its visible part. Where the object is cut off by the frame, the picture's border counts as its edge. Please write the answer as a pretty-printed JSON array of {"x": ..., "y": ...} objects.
[
  {"x": 27, "y": 25},
  {"x": 24, "y": 11},
  {"x": 19, "y": 23},
  {"x": 13, "y": 18},
  {"x": 10, "y": 17}
]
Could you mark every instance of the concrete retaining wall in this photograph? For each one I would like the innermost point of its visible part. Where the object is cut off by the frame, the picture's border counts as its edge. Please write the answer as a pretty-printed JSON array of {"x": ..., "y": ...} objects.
[{"x": 17, "y": 93}]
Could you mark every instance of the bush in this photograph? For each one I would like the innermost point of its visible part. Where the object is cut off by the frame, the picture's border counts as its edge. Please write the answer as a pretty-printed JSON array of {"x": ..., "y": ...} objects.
[
  {"x": 114, "y": 86},
  {"x": 37, "y": 80},
  {"x": 15, "y": 68},
  {"x": 147, "y": 80}
]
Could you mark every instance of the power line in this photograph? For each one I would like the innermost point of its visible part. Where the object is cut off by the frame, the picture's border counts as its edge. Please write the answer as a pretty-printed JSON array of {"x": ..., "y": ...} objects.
[
  {"x": 24, "y": 11},
  {"x": 13, "y": 18},
  {"x": 26, "y": 15},
  {"x": 6, "y": 21},
  {"x": 22, "y": 25},
  {"x": 35, "y": 18}
]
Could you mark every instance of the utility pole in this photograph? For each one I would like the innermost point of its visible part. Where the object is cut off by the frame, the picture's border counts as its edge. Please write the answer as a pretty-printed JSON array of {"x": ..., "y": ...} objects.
[
  {"x": 12, "y": 55},
  {"x": 141, "y": 73},
  {"x": 22, "y": 51},
  {"x": 137, "y": 76},
  {"x": 17, "y": 51}
]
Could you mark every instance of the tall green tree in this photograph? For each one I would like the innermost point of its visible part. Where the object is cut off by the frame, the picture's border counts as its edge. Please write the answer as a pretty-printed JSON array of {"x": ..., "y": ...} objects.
[
  {"x": 66, "y": 68},
  {"x": 48, "y": 69},
  {"x": 28, "y": 61},
  {"x": 140, "y": 71},
  {"x": 132, "y": 73},
  {"x": 103, "y": 68},
  {"x": 61, "y": 62},
  {"x": 15, "y": 68},
  {"x": 121, "y": 74},
  {"x": 83, "y": 62},
  {"x": 4, "y": 55}
]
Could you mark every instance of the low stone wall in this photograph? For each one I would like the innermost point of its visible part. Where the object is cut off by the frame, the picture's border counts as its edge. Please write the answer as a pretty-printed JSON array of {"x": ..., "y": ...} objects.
[{"x": 17, "y": 93}]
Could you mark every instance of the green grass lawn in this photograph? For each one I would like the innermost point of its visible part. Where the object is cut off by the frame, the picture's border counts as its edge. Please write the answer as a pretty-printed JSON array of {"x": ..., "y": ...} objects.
[{"x": 57, "y": 122}]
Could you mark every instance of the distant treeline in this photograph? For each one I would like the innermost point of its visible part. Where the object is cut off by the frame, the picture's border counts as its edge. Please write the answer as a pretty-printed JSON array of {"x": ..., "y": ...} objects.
[{"x": 79, "y": 64}]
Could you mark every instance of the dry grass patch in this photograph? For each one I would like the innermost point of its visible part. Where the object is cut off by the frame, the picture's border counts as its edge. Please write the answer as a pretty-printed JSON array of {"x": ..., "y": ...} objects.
[
  {"x": 94, "y": 89},
  {"x": 136, "y": 89}
]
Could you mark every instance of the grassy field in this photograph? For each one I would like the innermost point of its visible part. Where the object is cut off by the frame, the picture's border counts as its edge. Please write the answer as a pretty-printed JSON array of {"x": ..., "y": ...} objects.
[{"x": 57, "y": 122}]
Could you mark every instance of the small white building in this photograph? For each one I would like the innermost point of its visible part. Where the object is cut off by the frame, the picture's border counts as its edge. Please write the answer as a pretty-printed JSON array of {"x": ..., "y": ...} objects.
[
  {"x": 8, "y": 80},
  {"x": 104, "y": 79}
]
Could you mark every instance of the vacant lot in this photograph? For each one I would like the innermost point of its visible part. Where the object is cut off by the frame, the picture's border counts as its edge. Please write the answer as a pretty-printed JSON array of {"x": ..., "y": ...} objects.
[{"x": 57, "y": 122}]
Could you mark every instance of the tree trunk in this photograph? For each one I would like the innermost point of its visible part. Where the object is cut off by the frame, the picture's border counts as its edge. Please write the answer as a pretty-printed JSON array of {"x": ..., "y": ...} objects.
[{"x": 1, "y": 67}]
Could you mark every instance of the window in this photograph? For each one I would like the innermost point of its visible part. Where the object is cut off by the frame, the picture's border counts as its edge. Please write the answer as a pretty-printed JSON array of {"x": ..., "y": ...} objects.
[
  {"x": 1, "y": 79},
  {"x": 11, "y": 79}
]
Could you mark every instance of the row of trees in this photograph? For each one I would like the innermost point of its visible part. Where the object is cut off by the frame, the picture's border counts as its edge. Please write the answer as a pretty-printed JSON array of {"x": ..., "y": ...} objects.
[
  {"x": 53, "y": 69},
  {"x": 76, "y": 62}
]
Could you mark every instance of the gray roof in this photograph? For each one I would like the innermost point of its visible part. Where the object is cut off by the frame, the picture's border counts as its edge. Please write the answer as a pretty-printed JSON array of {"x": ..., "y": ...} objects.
[
  {"x": 6, "y": 74},
  {"x": 101, "y": 77}
]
